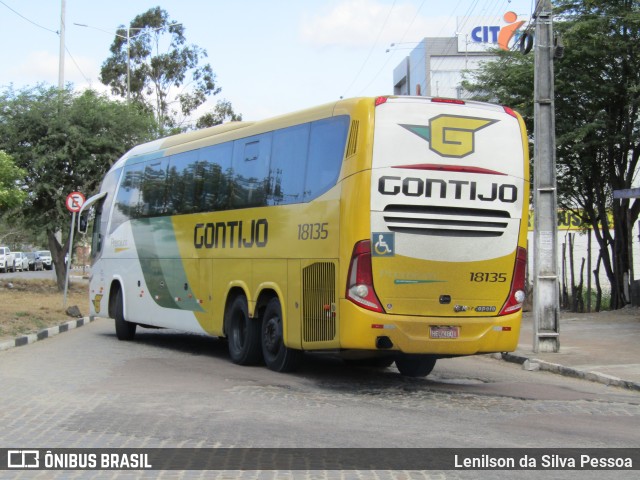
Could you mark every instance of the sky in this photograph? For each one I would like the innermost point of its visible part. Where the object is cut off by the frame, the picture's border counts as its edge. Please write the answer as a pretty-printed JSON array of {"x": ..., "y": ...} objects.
[{"x": 270, "y": 56}]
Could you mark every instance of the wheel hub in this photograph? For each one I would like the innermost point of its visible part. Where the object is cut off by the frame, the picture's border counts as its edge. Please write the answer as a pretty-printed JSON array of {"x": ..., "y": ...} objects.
[{"x": 272, "y": 335}]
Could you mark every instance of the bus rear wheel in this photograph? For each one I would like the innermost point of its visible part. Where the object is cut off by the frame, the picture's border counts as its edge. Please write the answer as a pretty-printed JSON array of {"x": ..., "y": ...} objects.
[
  {"x": 243, "y": 333},
  {"x": 415, "y": 365},
  {"x": 124, "y": 330},
  {"x": 277, "y": 356}
]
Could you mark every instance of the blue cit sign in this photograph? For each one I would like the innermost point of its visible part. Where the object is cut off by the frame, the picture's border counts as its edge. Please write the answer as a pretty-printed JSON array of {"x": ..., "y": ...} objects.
[{"x": 383, "y": 244}]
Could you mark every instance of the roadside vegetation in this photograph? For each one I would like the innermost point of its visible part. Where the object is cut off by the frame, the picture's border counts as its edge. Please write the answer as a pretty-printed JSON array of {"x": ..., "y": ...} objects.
[
  {"x": 597, "y": 105},
  {"x": 57, "y": 141},
  {"x": 30, "y": 305}
]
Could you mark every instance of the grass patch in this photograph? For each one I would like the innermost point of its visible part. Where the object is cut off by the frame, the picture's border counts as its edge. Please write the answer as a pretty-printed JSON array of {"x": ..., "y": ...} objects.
[
  {"x": 30, "y": 305},
  {"x": 605, "y": 300}
]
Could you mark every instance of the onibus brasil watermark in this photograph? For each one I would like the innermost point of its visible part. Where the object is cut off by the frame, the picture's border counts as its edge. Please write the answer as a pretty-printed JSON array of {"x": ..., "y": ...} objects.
[{"x": 320, "y": 459}]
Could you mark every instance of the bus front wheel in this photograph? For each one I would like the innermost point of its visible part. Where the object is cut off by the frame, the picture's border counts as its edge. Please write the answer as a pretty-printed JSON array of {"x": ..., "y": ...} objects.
[
  {"x": 243, "y": 333},
  {"x": 277, "y": 356},
  {"x": 124, "y": 330},
  {"x": 415, "y": 365}
]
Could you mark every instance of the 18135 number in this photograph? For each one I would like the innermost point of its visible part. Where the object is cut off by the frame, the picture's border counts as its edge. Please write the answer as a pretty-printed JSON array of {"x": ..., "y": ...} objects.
[
  {"x": 313, "y": 231},
  {"x": 488, "y": 277}
]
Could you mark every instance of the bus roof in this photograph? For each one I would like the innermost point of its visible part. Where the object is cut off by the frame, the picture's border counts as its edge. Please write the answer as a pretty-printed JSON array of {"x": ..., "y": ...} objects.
[
  {"x": 234, "y": 130},
  {"x": 230, "y": 131}
]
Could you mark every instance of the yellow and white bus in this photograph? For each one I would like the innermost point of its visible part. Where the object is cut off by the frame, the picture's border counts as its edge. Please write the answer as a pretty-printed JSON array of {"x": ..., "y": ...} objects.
[{"x": 382, "y": 229}]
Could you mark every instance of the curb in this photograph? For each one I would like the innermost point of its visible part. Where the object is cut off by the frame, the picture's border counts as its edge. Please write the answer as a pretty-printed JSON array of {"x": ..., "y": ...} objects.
[
  {"x": 533, "y": 364},
  {"x": 45, "y": 333}
]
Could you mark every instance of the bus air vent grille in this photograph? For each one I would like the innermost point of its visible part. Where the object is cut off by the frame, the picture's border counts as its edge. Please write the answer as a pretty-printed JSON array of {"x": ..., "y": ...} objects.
[
  {"x": 318, "y": 303},
  {"x": 446, "y": 221},
  {"x": 352, "y": 145}
]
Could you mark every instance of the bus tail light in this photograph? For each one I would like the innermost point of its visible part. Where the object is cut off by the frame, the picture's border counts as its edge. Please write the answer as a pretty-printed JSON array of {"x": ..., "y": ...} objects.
[
  {"x": 380, "y": 100},
  {"x": 360, "y": 281},
  {"x": 517, "y": 293},
  {"x": 510, "y": 111},
  {"x": 452, "y": 101}
]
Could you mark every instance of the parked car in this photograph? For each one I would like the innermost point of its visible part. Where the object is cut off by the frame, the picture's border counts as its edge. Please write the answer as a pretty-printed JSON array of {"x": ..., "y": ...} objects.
[
  {"x": 7, "y": 260},
  {"x": 45, "y": 255},
  {"x": 21, "y": 262},
  {"x": 35, "y": 262}
]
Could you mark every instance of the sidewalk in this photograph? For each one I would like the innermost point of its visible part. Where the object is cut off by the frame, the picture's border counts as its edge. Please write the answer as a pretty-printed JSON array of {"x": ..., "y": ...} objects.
[{"x": 602, "y": 347}]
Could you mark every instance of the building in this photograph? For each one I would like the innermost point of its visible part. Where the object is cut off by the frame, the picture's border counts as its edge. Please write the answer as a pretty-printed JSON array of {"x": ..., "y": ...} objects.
[{"x": 435, "y": 66}]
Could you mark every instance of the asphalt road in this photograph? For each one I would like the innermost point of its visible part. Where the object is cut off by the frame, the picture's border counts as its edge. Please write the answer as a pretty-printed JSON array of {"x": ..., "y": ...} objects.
[
  {"x": 40, "y": 274},
  {"x": 85, "y": 389}
]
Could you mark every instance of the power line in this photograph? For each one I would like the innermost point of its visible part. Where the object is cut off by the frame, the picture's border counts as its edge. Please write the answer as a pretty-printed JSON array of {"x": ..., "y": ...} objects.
[
  {"x": 375, "y": 43},
  {"x": 29, "y": 20},
  {"x": 51, "y": 31},
  {"x": 87, "y": 79},
  {"x": 471, "y": 11},
  {"x": 401, "y": 40}
]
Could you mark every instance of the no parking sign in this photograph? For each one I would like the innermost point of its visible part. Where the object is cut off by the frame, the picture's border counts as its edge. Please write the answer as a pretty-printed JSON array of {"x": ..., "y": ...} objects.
[{"x": 74, "y": 202}]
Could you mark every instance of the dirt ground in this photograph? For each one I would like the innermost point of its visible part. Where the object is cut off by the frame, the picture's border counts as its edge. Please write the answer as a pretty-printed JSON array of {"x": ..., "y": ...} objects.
[{"x": 29, "y": 305}]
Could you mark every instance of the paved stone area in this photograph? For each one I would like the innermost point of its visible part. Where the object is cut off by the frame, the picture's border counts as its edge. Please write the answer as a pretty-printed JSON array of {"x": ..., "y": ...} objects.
[
  {"x": 600, "y": 347},
  {"x": 84, "y": 389}
]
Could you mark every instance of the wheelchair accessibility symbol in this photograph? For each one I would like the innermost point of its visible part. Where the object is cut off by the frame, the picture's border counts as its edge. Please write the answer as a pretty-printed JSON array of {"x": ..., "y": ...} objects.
[{"x": 383, "y": 244}]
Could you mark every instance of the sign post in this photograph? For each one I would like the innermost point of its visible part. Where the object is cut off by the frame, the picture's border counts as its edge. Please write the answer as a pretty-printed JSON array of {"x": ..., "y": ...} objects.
[{"x": 74, "y": 203}]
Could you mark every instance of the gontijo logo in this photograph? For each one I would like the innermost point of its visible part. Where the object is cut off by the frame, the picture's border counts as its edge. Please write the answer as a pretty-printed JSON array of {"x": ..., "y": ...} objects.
[{"x": 451, "y": 135}]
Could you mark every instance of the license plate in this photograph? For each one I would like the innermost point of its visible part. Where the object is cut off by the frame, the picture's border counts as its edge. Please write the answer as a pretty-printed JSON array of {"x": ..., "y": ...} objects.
[{"x": 440, "y": 331}]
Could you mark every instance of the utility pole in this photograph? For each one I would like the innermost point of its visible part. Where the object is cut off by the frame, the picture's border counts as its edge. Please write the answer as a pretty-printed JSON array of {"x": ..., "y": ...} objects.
[
  {"x": 546, "y": 291},
  {"x": 128, "y": 65},
  {"x": 62, "y": 49}
]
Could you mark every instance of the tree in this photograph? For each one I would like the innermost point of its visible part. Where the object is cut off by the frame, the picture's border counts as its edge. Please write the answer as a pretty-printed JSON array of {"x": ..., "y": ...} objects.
[
  {"x": 597, "y": 96},
  {"x": 222, "y": 112},
  {"x": 155, "y": 75},
  {"x": 65, "y": 142},
  {"x": 12, "y": 193}
]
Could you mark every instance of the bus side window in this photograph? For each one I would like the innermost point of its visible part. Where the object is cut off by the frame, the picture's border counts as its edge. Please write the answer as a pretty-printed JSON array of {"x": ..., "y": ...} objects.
[
  {"x": 181, "y": 181},
  {"x": 215, "y": 192},
  {"x": 153, "y": 189},
  {"x": 127, "y": 204},
  {"x": 109, "y": 185},
  {"x": 250, "y": 171},
  {"x": 326, "y": 150},
  {"x": 288, "y": 164}
]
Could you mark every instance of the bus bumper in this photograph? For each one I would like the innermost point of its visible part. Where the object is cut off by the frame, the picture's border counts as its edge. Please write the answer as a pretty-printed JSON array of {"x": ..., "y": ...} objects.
[{"x": 364, "y": 330}]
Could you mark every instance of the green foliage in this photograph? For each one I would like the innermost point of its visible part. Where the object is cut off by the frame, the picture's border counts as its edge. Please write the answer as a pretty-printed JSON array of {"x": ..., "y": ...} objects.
[
  {"x": 11, "y": 180},
  {"x": 507, "y": 81},
  {"x": 154, "y": 74},
  {"x": 222, "y": 112},
  {"x": 597, "y": 100},
  {"x": 64, "y": 142}
]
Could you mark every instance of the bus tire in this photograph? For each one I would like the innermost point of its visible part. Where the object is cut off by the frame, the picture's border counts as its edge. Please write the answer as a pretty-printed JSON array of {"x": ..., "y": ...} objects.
[
  {"x": 415, "y": 365},
  {"x": 124, "y": 330},
  {"x": 243, "y": 333},
  {"x": 277, "y": 356}
]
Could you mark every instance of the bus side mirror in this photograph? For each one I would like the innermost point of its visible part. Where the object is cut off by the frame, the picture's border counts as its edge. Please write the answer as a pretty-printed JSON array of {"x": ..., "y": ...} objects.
[{"x": 83, "y": 223}]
